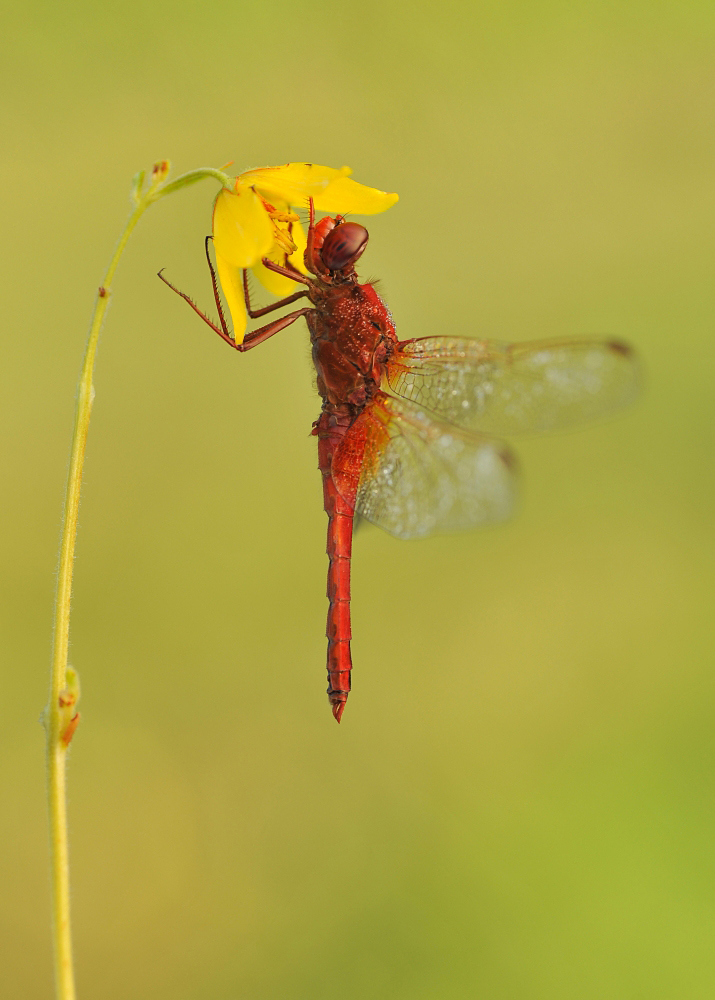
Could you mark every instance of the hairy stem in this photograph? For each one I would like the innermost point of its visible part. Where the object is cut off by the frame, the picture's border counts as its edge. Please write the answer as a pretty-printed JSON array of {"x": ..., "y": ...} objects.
[{"x": 60, "y": 719}]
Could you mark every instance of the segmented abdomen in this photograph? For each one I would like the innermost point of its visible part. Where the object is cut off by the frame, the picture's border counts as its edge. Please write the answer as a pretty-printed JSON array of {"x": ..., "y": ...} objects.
[{"x": 330, "y": 429}]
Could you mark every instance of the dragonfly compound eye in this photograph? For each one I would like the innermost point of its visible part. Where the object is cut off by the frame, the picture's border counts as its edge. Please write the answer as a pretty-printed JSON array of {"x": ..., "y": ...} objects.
[{"x": 343, "y": 245}]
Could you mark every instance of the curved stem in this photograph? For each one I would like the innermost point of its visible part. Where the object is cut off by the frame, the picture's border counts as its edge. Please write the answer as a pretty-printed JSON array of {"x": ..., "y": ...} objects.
[
  {"x": 190, "y": 178},
  {"x": 59, "y": 722},
  {"x": 54, "y": 718}
]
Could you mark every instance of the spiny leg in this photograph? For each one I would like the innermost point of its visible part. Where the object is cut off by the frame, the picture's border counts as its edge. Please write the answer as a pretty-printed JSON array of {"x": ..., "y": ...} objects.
[
  {"x": 255, "y": 313},
  {"x": 214, "y": 284},
  {"x": 224, "y": 332},
  {"x": 312, "y": 259},
  {"x": 252, "y": 339},
  {"x": 293, "y": 275},
  {"x": 256, "y": 337}
]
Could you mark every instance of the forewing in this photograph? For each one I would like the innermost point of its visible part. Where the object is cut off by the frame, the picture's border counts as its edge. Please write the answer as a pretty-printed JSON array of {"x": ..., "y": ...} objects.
[
  {"x": 418, "y": 476},
  {"x": 509, "y": 389}
]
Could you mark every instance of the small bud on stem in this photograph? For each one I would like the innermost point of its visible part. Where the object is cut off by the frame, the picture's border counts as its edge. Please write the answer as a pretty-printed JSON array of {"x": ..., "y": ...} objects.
[
  {"x": 68, "y": 698},
  {"x": 159, "y": 172}
]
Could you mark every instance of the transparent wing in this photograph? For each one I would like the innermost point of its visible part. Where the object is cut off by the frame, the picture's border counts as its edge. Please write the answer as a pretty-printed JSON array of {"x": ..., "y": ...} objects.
[
  {"x": 509, "y": 389},
  {"x": 415, "y": 476}
]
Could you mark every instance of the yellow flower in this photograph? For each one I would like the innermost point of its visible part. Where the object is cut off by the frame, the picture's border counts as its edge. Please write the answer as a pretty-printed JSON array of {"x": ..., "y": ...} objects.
[{"x": 254, "y": 219}]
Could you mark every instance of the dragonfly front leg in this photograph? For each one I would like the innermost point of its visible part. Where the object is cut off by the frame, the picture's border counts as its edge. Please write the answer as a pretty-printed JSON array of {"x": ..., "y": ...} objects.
[
  {"x": 253, "y": 338},
  {"x": 255, "y": 313},
  {"x": 287, "y": 273}
]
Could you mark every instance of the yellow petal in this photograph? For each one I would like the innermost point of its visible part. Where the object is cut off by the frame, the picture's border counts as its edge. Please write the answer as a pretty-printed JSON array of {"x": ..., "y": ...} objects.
[
  {"x": 293, "y": 182},
  {"x": 243, "y": 232},
  {"x": 298, "y": 235},
  {"x": 345, "y": 195},
  {"x": 231, "y": 280}
]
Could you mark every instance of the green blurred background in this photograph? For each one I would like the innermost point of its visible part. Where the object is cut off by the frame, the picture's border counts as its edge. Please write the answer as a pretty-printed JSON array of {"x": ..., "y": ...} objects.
[{"x": 520, "y": 802}]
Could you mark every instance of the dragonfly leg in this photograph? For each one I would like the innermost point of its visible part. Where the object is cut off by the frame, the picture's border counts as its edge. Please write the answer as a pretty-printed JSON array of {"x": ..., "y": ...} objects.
[
  {"x": 256, "y": 337},
  {"x": 312, "y": 258},
  {"x": 217, "y": 297},
  {"x": 251, "y": 339},
  {"x": 255, "y": 313},
  {"x": 223, "y": 331},
  {"x": 287, "y": 272},
  {"x": 309, "y": 250}
]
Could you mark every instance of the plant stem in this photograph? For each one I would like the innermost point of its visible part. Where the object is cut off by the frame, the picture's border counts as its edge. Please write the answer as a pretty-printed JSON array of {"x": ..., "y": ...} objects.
[
  {"x": 56, "y": 719},
  {"x": 62, "y": 932}
]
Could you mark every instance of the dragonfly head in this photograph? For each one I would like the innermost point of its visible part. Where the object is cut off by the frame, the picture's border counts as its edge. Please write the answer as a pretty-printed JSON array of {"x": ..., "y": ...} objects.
[{"x": 343, "y": 245}]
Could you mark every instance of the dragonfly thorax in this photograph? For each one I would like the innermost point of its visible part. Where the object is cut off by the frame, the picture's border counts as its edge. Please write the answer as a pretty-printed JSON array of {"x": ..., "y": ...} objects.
[{"x": 352, "y": 336}]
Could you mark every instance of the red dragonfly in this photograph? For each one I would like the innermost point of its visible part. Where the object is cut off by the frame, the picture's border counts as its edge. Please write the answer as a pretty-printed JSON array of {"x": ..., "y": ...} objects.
[{"x": 405, "y": 432}]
